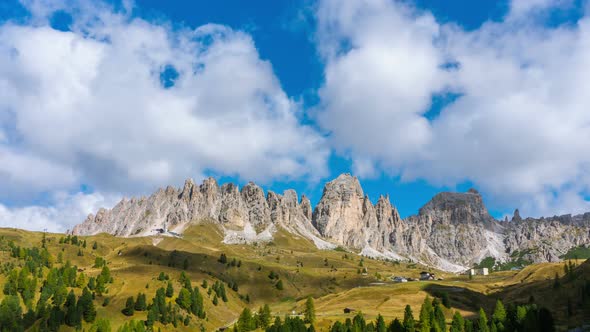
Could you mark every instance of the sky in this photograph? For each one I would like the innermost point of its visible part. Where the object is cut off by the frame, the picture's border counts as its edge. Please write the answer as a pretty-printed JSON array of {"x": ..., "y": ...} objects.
[{"x": 101, "y": 100}]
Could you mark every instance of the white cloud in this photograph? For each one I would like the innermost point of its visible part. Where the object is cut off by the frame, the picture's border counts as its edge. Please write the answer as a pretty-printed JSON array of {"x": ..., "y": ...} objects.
[
  {"x": 90, "y": 101},
  {"x": 67, "y": 211},
  {"x": 87, "y": 106},
  {"x": 520, "y": 130}
]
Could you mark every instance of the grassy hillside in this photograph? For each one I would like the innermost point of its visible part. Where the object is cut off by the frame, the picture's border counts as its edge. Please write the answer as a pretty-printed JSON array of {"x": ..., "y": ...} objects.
[{"x": 335, "y": 278}]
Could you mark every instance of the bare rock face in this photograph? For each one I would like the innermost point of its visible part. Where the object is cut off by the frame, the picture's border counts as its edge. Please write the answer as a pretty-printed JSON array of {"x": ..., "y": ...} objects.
[
  {"x": 545, "y": 239},
  {"x": 245, "y": 214},
  {"x": 346, "y": 216},
  {"x": 451, "y": 232}
]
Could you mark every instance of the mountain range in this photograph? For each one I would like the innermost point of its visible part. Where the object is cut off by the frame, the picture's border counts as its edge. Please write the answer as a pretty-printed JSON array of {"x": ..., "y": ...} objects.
[{"x": 451, "y": 232}]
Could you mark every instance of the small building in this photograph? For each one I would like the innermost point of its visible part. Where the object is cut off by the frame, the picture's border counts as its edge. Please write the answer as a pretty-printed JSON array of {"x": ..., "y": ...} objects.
[
  {"x": 427, "y": 276},
  {"x": 479, "y": 272},
  {"x": 399, "y": 279},
  {"x": 348, "y": 310}
]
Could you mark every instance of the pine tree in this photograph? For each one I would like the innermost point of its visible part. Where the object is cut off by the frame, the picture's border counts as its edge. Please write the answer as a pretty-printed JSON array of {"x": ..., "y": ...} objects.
[
  {"x": 482, "y": 322},
  {"x": 264, "y": 316},
  {"x": 169, "y": 289},
  {"x": 140, "y": 303},
  {"x": 94, "y": 245},
  {"x": 409, "y": 323},
  {"x": 73, "y": 314},
  {"x": 246, "y": 321},
  {"x": 197, "y": 303},
  {"x": 129, "y": 309},
  {"x": 10, "y": 314},
  {"x": 499, "y": 316},
  {"x": 426, "y": 312},
  {"x": 457, "y": 325},
  {"x": 184, "y": 299},
  {"x": 397, "y": 326},
  {"x": 279, "y": 285},
  {"x": 222, "y": 259},
  {"x": 86, "y": 305},
  {"x": 439, "y": 317},
  {"x": 309, "y": 311},
  {"x": 380, "y": 325}
]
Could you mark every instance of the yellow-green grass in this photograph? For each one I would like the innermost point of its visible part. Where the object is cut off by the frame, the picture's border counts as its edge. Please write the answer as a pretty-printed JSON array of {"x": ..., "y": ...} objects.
[{"x": 136, "y": 262}]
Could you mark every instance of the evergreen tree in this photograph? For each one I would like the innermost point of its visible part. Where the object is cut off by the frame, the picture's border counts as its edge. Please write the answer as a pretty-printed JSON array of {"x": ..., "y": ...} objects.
[
  {"x": 162, "y": 276},
  {"x": 482, "y": 322},
  {"x": 94, "y": 245},
  {"x": 81, "y": 281},
  {"x": 279, "y": 285},
  {"x": 129, "y": 309},
  {"x": 140, "y": 303},
  {"x": 439, "y": 316},
  {"x": 397, "y": 326},
  {"x": 184, "y": 299},
  {"x": 73, "y": 313},
  {"x": 309, "y": 315},
  {"x": 101, "y": 325},
  {"x": 426, "y": 312},
  {"x": 246, "y": 321},
  {"x": 222, "y": 259},
  {"x": 86, "y": 306},
  {"x": 10, "y": 314},
  {"x": 169, "y": 289},
  {"x": 380, "y": 324},
  {"x": 409, "y": 323},
  {"x": 264, "y": 316},
  {"x": 204, "y": 284},
  {"x": 499, "y": 316},
  {"x": 197, "y": 303},
  {"x": 457, "y": 325}
]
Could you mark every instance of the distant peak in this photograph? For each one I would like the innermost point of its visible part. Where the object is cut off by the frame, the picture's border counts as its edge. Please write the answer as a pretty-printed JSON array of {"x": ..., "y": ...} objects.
[{"x": 516, "y": 216}]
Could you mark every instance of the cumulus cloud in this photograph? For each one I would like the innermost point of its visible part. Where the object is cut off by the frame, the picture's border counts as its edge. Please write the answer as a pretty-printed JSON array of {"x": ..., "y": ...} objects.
[
  {"x": 89, "y": 103},
  {"x": 126, "y": 105},
  {"x": 65, "y": 212},
  {"x": 519, "y": 129}
]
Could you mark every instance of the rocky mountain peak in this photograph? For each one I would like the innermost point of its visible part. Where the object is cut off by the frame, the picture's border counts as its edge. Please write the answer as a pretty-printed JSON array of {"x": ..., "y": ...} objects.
[
  {"x": 452, "y": 231},
  {"x": 344, "y": 185},
  {"x": 516, "y": 216},
  {"x": 468, "y": 206}
]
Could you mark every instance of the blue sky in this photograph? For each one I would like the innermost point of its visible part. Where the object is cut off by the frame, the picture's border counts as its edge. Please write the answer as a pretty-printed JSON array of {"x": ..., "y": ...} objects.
[{"x": 414, "y": 97}]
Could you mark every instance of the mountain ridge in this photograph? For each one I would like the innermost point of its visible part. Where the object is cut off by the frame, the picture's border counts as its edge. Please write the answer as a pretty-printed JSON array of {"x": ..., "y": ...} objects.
[{"x": 452, "y": 231}]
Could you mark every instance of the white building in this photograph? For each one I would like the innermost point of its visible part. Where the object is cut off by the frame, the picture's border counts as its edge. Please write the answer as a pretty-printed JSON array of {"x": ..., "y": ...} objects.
[{"x": 482, "y": 272}]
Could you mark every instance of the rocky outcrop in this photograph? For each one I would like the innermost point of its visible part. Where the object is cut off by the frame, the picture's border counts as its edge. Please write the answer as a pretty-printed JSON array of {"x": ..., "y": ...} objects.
[
  {"x": 346, "y": 216},
  {"x": 246, "y": 214},
  {"x": 546, "y": 239},
  {"x": 452, "y": 231}
]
